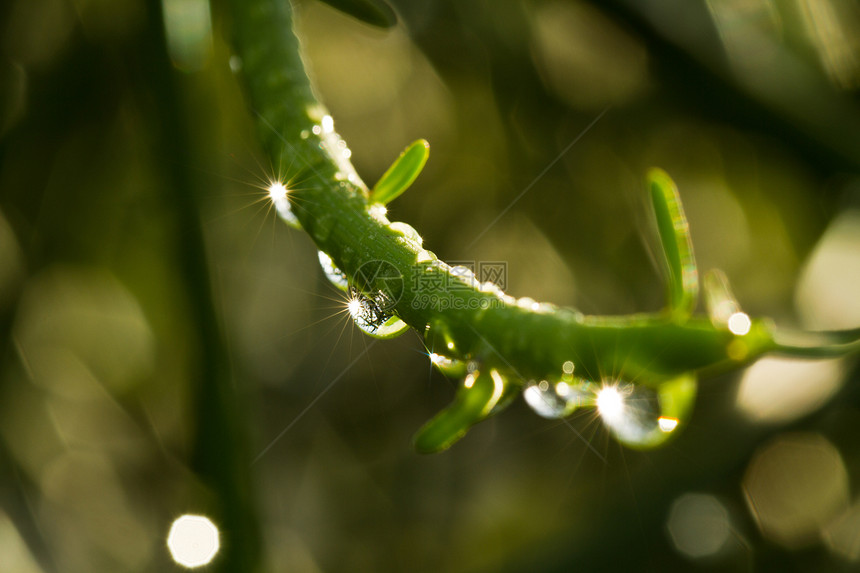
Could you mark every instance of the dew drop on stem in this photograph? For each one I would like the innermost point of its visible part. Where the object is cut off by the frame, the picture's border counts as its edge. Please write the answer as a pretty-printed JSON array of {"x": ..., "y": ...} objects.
[
  {"x": 409, "y": 234},
  {"x": 640, "y": 416},
  {"x": 279, "y": 194},
  {"x": 335, "y": 276},
  {"x": 556, "y": 399},
  {"x": 450, "y": 367},
  {"x": 369, "y": 315},
  {"x": 465, "y": 275},
  {"x": 424, "y": 256}
]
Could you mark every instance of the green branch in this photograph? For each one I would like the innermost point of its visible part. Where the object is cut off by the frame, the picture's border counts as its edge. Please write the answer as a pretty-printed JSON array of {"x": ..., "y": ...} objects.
[{"x": 639, "y": 371}]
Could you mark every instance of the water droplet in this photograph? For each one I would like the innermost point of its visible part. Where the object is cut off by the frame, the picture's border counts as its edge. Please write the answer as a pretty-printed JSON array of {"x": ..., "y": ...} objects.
[
  {"x": 449, "y": 366},
  {"x": 371, "y": 317},
  {"x": 235, "y": 64},
  {"x": 465, "y": 275},
  {"x": 639, "y": 416},
  {"x": 528, "y": 304},
  {"x": 378, "y": 212},
  {"x": 425, "y": 256},
  {"x": 507, "y": 299},
  {"x": 305, "y": 134},
  {"x": 347, "y": 153},
  {"x": 544, "y": 307},
  {"x": 491, "y": 288},
  {"x": 408, "y": 232},
  {"x": 631, "y": 412},
  {"x": 332, "y": 273},
  {"x": 279, "y": 194},
  {"x": 317, "y": 130},
  {"x": 327, "y": 124},
  {"x": 440, "y": 265},
  {"x": 556, "y": 399}
]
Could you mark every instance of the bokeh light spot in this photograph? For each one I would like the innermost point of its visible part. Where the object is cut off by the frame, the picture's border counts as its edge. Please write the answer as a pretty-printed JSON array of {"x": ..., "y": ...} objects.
[
  {"x": 826, "y": 295},
  {"x": 794, "y": 487},
  {"x": 739, "y": 323},
  {"x": 842, "y": 535},
  {"x": 698, "y": 525},
  {"x": 610, "y": 403},
  {"x": 777, "y": 390},
  {"x": 193, "y": 540}
]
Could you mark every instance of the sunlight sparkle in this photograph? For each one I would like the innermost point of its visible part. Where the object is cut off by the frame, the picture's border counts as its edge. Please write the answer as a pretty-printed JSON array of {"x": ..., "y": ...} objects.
[
  {"x": 277, "y": 191},
  {"x": 327, "y": 124},
  {"x": 441, "y": 361},
  {"x": 353, "y": 305},
  {"x": 610, "y": 402}
]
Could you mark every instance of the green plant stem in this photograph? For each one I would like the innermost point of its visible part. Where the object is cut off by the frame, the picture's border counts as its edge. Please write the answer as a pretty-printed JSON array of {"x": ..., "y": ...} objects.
[
  {"x": 521, "y": 339},
  {"x": 333, "y": 209}
]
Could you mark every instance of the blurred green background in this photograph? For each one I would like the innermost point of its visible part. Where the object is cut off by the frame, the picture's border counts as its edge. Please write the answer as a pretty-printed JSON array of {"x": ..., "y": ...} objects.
[{"x": 160, "y": 328}]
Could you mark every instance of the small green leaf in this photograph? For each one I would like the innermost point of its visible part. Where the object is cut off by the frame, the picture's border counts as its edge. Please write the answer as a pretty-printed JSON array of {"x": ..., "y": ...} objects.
[
  {"x": 402, "y": 173},
  {"x": 374, "y": 12},
  {"x": 677, "y": 247},
  {"x": 474, "y": 401}
]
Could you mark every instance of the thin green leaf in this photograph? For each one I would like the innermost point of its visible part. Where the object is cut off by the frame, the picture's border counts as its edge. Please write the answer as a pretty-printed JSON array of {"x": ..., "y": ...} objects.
[
  {"x": 677, "y": 247},
  {"x": 402, "y": 173},
  {"x": 474, "y": 401},
  {"x": 374, "y": 12}
]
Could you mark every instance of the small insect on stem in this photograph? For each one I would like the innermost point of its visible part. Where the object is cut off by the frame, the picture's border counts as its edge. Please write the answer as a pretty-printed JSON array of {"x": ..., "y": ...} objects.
[{"x": 371, "y": 316}]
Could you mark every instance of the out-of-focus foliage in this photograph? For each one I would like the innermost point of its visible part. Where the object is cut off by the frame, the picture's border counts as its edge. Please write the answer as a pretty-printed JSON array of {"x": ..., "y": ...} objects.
[{"x": 159, "y": 329}]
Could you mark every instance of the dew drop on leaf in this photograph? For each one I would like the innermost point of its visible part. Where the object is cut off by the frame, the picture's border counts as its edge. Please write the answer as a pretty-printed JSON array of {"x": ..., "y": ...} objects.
[{"x": 336, "y": 276}]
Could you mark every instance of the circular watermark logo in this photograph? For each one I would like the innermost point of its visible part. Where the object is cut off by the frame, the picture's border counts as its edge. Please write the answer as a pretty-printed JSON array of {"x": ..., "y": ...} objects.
[{"x": 383, "y": 280}]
